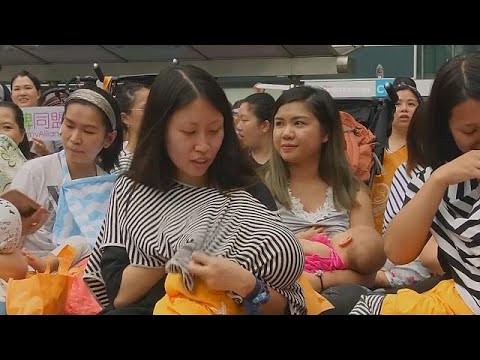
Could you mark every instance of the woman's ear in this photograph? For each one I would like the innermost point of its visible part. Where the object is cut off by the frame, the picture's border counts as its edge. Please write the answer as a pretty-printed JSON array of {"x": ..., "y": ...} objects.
[
  {"x": 109, "y": 139},
  {"x": 265, "y": 126}
]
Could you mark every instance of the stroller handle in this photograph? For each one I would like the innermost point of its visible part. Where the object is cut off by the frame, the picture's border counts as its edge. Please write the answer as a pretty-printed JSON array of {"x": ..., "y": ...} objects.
[
  {"x": 391, "y": 93},
  {"x": 98, "y": 72}
]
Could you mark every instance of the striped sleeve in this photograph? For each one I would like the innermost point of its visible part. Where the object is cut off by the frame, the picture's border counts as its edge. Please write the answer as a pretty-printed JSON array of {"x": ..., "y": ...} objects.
[
  {"x": 398, "y": 188},
  {"x": 124, "y": 162},
  {"x": 277, "y": 257},
  {"x": 416, "y": 183},
  {"x": 282, "y": 271}
]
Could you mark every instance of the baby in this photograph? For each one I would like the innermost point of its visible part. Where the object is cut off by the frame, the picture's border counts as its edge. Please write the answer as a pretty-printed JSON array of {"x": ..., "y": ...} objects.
[
  {"x": 359, "y": 249},
  {"x": 15, "y": 262},
  {"x": 12, "y": 262}
]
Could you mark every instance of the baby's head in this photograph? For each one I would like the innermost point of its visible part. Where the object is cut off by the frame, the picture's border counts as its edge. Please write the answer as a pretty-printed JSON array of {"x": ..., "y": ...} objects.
[
  {"x": 361, "y": 248},
  {"x": 10, "y": 227}
]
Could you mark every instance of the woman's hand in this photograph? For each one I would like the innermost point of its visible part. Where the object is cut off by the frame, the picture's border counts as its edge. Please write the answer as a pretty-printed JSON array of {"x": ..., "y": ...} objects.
[
  {"x": 34, "y": 222},
  {"x": 257, "y": 89},
  {"x": 222, "y": 274},
  {"x": 308, "y": 234},
  {"x": 463, "y": 168}
]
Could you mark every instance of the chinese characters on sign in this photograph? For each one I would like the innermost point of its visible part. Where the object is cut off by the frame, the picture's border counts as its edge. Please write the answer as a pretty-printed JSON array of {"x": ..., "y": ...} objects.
[{"x": 43, "y": 122}]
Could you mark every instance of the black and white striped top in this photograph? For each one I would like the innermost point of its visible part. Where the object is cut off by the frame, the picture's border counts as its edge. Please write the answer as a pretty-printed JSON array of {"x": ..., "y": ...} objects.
[
  {"x": 456, "y": 227},
  {"x": 154, "y": 226},
  {"x": 124, "y": 162},
  {"x": 396, "y": 195}
]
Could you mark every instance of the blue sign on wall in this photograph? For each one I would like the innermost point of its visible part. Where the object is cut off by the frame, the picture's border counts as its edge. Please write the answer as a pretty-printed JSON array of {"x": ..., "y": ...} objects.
[{"x": 380, "y": 87}]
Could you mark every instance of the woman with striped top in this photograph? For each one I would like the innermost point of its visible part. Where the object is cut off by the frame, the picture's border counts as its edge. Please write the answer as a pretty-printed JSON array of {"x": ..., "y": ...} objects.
[
  {"x": 415, "y": 272},
  {"x": 131, "y": 99},
  {"x": 182, "y": 209},
  {"x": 444, "y": 199}
]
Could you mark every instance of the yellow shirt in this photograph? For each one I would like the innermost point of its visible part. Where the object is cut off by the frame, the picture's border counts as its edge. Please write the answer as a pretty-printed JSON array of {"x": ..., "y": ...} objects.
[{"x": 382, "y": 182}]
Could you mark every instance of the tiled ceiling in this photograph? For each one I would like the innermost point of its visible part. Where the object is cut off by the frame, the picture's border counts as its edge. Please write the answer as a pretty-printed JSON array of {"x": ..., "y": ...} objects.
[{"x": 84, "y": 54}]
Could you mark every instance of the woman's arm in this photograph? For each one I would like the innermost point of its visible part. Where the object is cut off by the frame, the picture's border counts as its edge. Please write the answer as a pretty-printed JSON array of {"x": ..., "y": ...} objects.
[
  {"x": 136, "y": 282},
  {"x": 429, "y": 257},
  {"x": 408, "y": 232},
  {"x": 339, "y": 277},
  {"x": 362, "y": 214},
  {"x": 114, "y": 260}
]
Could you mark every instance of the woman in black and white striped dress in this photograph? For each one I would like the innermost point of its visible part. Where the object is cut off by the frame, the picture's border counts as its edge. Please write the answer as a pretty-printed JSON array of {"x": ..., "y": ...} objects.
[
  {"x": 419, "y": 270},
  {"x": 182, "y": 209},
  {"x": 131, "y": 98},
  {"x": 444, "y": 199}
]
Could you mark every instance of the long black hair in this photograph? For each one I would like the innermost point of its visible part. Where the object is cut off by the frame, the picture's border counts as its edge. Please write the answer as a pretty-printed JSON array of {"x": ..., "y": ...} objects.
[{"x": 174, "y": 88}]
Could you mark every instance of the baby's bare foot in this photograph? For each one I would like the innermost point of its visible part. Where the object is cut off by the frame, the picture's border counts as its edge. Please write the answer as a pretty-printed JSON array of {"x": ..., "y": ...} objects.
[{"x": 37, "y": 263}]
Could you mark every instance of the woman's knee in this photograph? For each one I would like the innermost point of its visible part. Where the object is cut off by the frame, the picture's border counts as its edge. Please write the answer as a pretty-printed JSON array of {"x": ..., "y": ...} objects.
[{"x": 343, "y": 298}]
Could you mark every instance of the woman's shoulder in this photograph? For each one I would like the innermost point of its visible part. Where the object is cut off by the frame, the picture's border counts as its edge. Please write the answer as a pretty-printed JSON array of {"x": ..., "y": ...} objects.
[
  {"x": 261, "y": 192},
  {"x": 43, "y": 164}
]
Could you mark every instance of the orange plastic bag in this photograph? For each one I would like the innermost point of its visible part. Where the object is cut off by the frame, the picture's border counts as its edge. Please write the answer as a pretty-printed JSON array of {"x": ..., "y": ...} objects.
[
  {"x": 80, "y": 300},
  {"x": 42, "y": 293}
]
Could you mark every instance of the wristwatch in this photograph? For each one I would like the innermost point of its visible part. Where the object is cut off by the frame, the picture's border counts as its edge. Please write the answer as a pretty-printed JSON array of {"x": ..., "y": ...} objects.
[{"x": 259, "y": 296}]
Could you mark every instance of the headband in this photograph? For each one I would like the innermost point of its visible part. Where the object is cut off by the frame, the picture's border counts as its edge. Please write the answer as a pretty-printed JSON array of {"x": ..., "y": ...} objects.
[{"x": 96, "y": 99}]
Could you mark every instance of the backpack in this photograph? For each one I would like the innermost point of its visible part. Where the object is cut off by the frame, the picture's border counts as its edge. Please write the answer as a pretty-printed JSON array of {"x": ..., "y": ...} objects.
[{"x": 359, "y": 145}]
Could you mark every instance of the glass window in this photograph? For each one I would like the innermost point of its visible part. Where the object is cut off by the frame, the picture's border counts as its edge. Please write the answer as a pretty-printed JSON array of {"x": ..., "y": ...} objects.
[{"x": 431, "y": 57}]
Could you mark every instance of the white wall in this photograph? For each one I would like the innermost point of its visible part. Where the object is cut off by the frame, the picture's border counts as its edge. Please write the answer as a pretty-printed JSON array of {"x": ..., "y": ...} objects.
[{"x": 241, "y": 93}]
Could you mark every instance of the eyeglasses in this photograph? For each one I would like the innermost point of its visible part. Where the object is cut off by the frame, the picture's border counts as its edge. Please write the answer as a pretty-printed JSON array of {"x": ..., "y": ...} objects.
[{"x": 137, "y": 109}]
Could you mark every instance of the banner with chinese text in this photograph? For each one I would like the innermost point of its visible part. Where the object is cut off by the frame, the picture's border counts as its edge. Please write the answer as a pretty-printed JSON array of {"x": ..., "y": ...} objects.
[{"x": 43, "y": 122}]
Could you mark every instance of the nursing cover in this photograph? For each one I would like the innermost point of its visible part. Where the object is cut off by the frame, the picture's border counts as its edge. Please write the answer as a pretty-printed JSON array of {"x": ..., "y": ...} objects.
[
  {"x": 11, "y": 159},
  {"x": 82, "y": 205}
]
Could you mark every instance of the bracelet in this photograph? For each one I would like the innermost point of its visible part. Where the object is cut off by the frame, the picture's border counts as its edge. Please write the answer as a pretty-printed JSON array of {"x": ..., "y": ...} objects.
[
  {"x": 259, "y": 296},
  {"x": 319, "y": 274}
]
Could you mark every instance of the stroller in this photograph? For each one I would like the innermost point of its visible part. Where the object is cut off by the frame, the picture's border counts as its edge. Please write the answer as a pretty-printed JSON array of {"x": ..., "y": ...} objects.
[
  {"x": 5, "y": 94},
  {"x": 376, "y": 115},
  {"x": 57, "y": 96},
  {"x": 113, "y": 83}
]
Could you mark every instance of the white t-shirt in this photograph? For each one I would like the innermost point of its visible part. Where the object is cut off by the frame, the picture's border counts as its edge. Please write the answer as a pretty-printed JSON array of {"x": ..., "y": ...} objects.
[{"x": 40, "y": 179}]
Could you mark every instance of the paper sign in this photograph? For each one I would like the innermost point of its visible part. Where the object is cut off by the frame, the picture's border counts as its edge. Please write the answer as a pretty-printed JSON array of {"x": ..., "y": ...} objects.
[{"x": 43, "y": 122}]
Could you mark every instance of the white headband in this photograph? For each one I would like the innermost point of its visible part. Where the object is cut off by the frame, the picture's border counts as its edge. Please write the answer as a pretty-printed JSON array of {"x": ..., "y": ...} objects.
[{"x": 97, "y": 100}]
